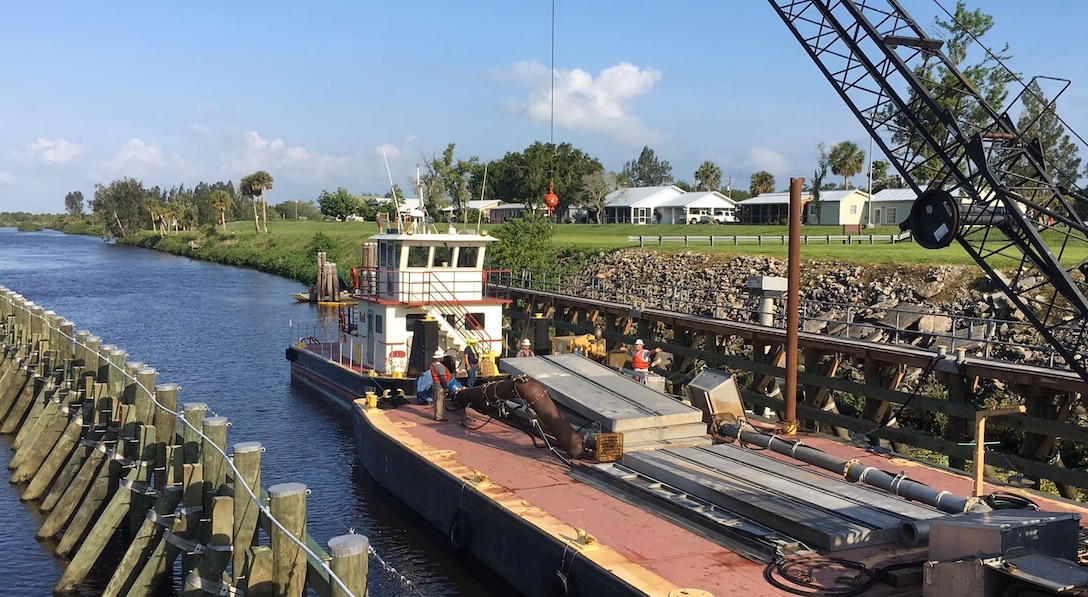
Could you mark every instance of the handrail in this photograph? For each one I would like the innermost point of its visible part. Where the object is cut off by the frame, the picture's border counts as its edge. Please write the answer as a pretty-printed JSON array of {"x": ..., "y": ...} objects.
[{"x": 963, "y": 330}]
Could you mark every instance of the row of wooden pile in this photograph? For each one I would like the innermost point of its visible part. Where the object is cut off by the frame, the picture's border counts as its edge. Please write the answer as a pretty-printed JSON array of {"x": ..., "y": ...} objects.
[{"x": 102, "y": 450}]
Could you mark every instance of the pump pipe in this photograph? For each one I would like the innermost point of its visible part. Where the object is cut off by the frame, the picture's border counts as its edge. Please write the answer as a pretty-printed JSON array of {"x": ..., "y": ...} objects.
[
  {"x": 535, "y": 396},
  {"x": 854, "y": 471}
]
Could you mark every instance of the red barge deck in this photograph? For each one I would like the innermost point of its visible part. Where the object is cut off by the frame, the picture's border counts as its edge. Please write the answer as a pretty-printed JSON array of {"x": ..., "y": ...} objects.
[{"x": 519, "y": 509}]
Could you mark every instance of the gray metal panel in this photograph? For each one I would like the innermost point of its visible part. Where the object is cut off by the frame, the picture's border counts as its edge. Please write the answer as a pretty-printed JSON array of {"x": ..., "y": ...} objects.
[
  {"x": 729, "y": 454},
  {"x": 1043, "y": 571},
  {"x": 997, "y": 532},
  {"x": 820, "y": 520},
  {"x": 674, "y": 443},
  {"x": 601, "y": 394}
]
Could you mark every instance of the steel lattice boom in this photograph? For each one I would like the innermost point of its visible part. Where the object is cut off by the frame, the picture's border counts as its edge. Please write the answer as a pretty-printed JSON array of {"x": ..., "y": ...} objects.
[{"x": 984, "y": 186}]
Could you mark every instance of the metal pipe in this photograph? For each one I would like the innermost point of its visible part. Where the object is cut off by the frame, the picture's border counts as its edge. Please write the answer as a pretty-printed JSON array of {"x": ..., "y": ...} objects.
[
  {"x": 793, "y": 301},
  {"x": 536, "y": 397},
  {"x": 855, "y": 471}
]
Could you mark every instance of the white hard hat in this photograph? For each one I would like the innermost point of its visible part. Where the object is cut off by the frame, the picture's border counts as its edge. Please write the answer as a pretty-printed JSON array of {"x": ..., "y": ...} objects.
[
  {"x": 439, "y": 354},
  {"x": 639, "y": 341},
  {"x": 526, "y": 342}
]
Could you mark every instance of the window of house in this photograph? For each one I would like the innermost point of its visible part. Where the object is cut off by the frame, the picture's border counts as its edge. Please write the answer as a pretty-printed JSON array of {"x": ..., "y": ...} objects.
[
  {"x": 853, "y": 209},
  {"x": 378, "y": 327}
]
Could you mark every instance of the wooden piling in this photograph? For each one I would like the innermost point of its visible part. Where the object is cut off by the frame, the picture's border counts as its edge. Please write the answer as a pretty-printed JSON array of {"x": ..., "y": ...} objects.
[
  {"x": 143, "y": 542},
  {"x": 247, "y": 461},
  {"x": 73, "y": 496},
  {"x": 209, "y": 571},
  {"x": 211, "y": 457},
  {"x": 160, "y": 560},
  {"x": 32, "y": 457},
  {"x": 259, "y": 579},
  {"x": 350, "y": 558},
  {"x": 164, "y": 419},
  {"x": 99, "y": 535},
  {"x": 45, "y": 475},
  {"x": 287, "y": 504}
]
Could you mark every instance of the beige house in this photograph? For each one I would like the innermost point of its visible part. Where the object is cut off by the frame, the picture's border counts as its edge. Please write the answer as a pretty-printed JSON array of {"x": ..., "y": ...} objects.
[{"x": 837, "y": 208}]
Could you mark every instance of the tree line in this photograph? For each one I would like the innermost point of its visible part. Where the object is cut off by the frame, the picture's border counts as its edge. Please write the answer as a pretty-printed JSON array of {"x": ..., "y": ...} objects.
[{"x": 579, "y": 179}]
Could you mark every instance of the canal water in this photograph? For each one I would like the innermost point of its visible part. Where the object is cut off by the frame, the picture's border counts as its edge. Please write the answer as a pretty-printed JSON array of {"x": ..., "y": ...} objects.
[{"x": 220, "y": 333}]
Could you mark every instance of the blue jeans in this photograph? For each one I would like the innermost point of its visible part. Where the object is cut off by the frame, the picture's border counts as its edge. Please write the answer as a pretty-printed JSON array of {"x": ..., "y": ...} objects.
[{"x": 471, "y": 379}]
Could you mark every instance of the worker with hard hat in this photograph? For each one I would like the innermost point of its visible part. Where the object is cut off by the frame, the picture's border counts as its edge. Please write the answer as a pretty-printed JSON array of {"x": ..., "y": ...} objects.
[
  {"x": 442, "y": 377},
  {"x": 640, "y": 358},
  {"x": 470, "y": 359},
  {"x": 526, "y": 349}
]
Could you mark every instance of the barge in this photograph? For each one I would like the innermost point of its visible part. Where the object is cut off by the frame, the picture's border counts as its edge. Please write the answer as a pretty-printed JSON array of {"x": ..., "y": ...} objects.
[{"x": 567, "y": 478}]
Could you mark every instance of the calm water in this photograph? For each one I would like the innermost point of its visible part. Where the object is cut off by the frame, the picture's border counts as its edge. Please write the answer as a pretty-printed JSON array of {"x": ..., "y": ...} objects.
[{"x": 220, "y": 333}]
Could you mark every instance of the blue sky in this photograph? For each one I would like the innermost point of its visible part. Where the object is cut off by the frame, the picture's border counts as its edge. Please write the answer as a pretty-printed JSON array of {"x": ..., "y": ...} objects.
[{"x": 173, "y": 93}]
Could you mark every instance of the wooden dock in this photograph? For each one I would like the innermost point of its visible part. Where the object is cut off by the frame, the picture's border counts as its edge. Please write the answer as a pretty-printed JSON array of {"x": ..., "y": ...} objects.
[{"x": 103, "y": 450}]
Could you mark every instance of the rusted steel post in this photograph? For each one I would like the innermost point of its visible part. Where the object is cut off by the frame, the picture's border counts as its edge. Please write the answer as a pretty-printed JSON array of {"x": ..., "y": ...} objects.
[{"x": 793, "y": 305}]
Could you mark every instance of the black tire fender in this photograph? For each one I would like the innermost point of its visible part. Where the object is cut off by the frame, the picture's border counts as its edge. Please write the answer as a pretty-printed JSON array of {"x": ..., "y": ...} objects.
[
  {"x": 557, "y": 585},
  {"x": 460, "y": 532}
]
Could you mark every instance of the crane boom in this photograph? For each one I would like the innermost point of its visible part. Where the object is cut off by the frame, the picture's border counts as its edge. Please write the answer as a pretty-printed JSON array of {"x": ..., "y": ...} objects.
[{"x": 979, "y": 181}]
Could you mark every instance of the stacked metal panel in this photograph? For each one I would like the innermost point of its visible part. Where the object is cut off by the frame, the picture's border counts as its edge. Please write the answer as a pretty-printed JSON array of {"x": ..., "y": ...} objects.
[
  {"x": 821, "y": 511},
  {"x": 590, "y": 393}
]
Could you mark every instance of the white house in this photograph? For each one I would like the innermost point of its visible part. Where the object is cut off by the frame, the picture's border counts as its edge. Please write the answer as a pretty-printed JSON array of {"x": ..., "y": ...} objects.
[
  {"x": 836, "y": 208},
  {"x": 637, "y": 205},
  {"x": 890, "y": 206}
]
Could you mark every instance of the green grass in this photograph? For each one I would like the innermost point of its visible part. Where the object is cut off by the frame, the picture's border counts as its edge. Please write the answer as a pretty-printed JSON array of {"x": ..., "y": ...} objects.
[{"x": 289, "y": 238}]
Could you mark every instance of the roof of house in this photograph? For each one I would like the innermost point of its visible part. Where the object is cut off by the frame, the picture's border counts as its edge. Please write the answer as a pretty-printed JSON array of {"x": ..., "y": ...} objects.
[
  {"x": 642, "y": 196},
  {"x": 478, "y": 205},
  {"x": 784, "y": 198},
  {"x": 894, "y": 195},
  {"x": 508, "y": 206},
  {"x": 692, "y": 199}
]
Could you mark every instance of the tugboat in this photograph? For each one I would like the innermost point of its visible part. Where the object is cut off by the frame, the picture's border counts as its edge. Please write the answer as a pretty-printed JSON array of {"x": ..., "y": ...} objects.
[{"x": 418, "y": 291}]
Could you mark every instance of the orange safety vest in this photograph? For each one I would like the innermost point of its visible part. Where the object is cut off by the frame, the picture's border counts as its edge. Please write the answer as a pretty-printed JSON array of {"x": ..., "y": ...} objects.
[
  {"x": 440, "y": 378},
  {"x": 640, "y": 360}
]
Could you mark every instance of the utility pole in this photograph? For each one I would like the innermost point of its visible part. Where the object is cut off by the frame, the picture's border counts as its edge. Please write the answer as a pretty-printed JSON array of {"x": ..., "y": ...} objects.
[
  {"x": 729, "y": 187},
  {"x": 296, "y": 209}
]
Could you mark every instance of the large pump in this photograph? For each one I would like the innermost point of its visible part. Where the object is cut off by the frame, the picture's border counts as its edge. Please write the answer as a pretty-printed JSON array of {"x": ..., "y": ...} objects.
[{"x": 984, "y": 186}]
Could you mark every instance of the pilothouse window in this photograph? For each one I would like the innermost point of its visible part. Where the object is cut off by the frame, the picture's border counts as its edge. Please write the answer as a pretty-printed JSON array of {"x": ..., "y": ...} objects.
[
  {"x": 466, "y": 256},
  {"x": 442, "y": 256},
  {"x": 417, "y": 256}
]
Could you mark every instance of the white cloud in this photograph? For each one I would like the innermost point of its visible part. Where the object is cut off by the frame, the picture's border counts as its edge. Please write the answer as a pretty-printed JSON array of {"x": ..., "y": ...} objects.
[
  {"x": 250, "y": 152},
  {"x": 6, "y": 179},
  {"x": 389, "y": 151},
  {"x": 584, "y": 103},
  {"x": 136, "y": 156},
  {"x": 762, "y": 158},
  {"x": 57, "y": 151}
]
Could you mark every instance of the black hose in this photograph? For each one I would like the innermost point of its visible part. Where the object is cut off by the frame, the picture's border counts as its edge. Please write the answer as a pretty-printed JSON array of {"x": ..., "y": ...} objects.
[{"x": 799, "y": 572}]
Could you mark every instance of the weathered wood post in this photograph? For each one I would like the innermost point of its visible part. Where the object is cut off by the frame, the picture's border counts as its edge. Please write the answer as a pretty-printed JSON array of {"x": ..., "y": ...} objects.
[
  {"x": 287, "y": 503},
  {"x": 247, "y": 461},
  {"x": 350, "y": 558},
  {"x": 146, "y": 539},
  {"x": 165, "y": 421}
]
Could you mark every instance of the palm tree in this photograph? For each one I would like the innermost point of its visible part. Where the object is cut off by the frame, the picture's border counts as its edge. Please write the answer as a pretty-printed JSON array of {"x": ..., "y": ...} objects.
[
  {"x": 221, "y": 202},
  {"x": 761, "y": 182},
  {"x": 254, "y": 186},
  {"x": 709, "y": 176},
  {"x": 846, "y": 159}
]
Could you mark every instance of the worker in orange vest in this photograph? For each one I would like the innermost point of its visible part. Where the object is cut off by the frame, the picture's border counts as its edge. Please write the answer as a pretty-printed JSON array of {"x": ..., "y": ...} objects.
[{"x": 640, "y": 358}]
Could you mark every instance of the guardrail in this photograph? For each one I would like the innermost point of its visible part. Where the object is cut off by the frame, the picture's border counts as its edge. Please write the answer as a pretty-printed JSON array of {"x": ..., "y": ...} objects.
[
  {"x": 772, "y": 239},
  {"x": 841, "y": 319}
]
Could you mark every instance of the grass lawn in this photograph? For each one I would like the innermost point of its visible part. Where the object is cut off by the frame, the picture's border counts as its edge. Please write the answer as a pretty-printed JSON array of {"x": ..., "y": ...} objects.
[{"x": 289, "y": 234}]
